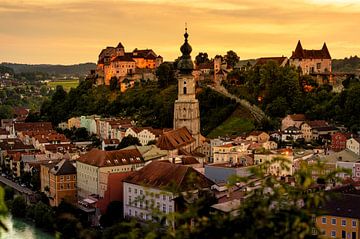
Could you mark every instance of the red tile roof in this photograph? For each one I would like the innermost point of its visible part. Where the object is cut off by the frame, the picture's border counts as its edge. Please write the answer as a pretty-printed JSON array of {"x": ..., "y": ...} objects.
[
  {"x": 298, "y": 117},
  {"x": 175, "y": 139},
  {"x": 111, "y": 141},
  {"x": 101, "y": 158},
  {"x": 33, "y": 126},
  {"x": 264, "y": 60},
  {"x": 161, "y": 175},
  {"x": 317, "y": 123}
]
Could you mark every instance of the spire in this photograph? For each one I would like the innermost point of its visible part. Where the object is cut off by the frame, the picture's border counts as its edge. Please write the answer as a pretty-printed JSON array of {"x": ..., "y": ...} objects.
[
  {"x": 326, "y": 51},
  {"x": 299, "y": 51},
  {"x": 185, "y": 64}
]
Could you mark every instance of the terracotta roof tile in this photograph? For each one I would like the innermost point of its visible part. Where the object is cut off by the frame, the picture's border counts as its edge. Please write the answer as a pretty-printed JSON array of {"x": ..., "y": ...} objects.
[
  {"x": 175, "y": 139},
  {"x": 161, "y": 175},
  {"x": 101, "y": 158}
]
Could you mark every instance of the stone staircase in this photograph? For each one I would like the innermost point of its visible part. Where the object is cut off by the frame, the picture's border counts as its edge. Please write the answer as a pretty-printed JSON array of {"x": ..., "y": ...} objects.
[{"x": 255, "y": 111}]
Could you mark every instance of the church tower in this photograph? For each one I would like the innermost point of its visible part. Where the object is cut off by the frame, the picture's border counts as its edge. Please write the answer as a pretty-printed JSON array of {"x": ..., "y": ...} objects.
[{"x": 186, "y": 108}]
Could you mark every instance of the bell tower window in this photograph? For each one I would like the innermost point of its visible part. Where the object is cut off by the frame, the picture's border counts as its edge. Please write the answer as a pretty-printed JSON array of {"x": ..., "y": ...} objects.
[{"x": 185, "y": 90}]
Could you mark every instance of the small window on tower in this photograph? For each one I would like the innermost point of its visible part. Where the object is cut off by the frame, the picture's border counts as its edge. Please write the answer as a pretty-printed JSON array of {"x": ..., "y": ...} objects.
[
  {"x": 184, "y": 82},
  {"x": 184, "y": 90}
]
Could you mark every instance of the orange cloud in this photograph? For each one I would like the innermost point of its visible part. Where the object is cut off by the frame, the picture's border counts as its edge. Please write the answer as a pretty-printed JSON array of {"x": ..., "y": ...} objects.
[{"x": 73, "y": 31}]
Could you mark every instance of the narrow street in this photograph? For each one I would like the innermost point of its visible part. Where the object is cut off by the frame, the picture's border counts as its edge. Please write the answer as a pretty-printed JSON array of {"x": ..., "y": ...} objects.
[{"x": 15, "y": 186}]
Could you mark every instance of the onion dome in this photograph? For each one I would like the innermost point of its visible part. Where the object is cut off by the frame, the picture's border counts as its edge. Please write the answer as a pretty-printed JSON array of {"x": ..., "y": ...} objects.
[{"x": 185, "y": 65}]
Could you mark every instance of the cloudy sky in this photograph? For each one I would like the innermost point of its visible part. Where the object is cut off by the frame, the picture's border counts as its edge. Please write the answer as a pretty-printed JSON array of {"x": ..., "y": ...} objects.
[{"x": 74, "y": 31}]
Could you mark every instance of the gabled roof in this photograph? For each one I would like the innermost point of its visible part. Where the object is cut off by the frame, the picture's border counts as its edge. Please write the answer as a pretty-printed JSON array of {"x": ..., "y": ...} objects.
[
  {"x": 120, "y": 45},
  {"x": 161, "y": 175},
  {"x": 14, "y": 144},
  {"x": 175, "y": 139},
  {"x": 317, "y": 123},
  {"x": 111, "y": 141},
  {"x": 205, "y": 65},
  {"x": 301, "y": 53},
  {"x": 264, "y": 60},
  {"x": 4, "y": 132},
  {"x": 357, "y": 139},
  {"x": 123, "y": 58},
  {"x": 64, "y": 167},
  {"x": 346, "y": 205},
  {"x": 297, "y": 117},
  {"x": 292, "y": 128},
  {"x": 101, "y": 158},
  {"x": 256, "y": 133},
  {"x": 33, "y": 126}
]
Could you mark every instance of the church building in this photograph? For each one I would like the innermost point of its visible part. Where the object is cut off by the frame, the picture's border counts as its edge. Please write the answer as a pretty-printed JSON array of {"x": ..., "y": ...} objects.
[{"x": 186, "y": 108}]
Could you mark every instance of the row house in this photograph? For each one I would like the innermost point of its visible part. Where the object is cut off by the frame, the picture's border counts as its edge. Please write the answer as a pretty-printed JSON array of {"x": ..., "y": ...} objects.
[
  {"x": 344, "y": 159},
  {"x": 145, "y": 135},
  {"x": 74, "y": 122},
  {"x": 353, "y": 144},
  {"x": 94, "y": 167},
  {"x": 292, "y": 120},
  {"x": 40, "y": 141},
  {"x": 145, "y": 190},
  {"x": 338, "y": 141},
  {"x": 276, "y": 168},
  {"x": 58, "y": 181},
  {"x": 89, "y": 123},
  {"x": 317, "y": 129},
  {"x": 112, "y": 128},
  {"x": 31, "y": 126},
  {"x": 341, "y": 218},
  {"x": 291, "y": 133},
  {"x": 258, "y": 136},
  {"x": 27, "y": 136},
  {"x": 12, "y": 145},
  {"x": 231, "y": 152}
]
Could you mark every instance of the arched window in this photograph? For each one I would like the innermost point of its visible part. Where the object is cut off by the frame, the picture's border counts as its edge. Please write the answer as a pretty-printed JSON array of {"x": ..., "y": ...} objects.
[{"x": 184, "y": 90}]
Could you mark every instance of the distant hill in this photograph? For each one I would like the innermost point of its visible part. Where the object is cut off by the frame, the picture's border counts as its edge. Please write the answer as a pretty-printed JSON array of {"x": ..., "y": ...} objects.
[
  {"x": 351, "y": 64},
  {"x": 62, "y": 70}
]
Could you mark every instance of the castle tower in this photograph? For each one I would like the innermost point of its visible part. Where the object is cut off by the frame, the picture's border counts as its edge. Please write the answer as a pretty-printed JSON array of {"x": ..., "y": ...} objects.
[{"x": 186, "y": 108}]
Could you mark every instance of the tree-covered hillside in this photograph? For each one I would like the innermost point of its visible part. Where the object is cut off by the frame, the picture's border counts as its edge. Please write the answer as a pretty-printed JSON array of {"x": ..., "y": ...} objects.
[
  {"x": 146, "y": 103},
  {"x": 351, "y": 64},
  {"x": 63, "y": 70}
]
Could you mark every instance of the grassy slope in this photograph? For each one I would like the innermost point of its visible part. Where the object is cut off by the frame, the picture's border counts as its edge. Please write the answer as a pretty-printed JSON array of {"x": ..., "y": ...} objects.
[
  {"x": 238, "y": 122},
  {"x": 66, "y": 84}
]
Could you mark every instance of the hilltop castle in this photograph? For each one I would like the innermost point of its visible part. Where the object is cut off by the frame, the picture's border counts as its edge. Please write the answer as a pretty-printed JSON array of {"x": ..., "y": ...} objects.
[
  {"x": 115, "y": 62},
  {"x": 312, "y": 62}
]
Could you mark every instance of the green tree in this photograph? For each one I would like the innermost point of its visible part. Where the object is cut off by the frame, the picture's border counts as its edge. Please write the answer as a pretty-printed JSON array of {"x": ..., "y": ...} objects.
[
  {"x": 3, "y": 209},
  {"x": 128, "y": 141},
  {"x": 6, "y": 112},
  {"x": 114, "y": 83},
  {"x": 202, "y": 57},
  {"x": 18, "y": 207},
  {"x": 165, "y": 74},
  {"x": 114, "y": 214},
  {"x": 44, "y": 216},
  {"x": 231, "y": 58}
]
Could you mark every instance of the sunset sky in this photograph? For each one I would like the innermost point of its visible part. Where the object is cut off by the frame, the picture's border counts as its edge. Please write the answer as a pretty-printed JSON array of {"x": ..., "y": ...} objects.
[{"x": 74, "y": 31}]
